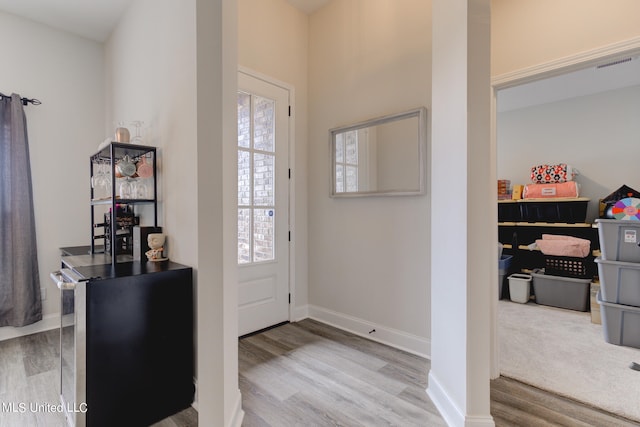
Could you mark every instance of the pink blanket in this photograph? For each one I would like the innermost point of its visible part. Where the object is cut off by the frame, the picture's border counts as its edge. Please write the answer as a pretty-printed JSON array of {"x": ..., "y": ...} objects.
[
  {"x": 552, "y": 244},
  {"x": 548, "y": 191}
]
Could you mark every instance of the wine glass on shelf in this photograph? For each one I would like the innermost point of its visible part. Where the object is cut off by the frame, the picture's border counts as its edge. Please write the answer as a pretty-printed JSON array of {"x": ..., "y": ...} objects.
[
  {"x": 137, "y": 139},
  {"x": 126, "y": 188},
  {"x": 140, "y": 189},
  {"x": 101, "y": 176},
  {"x": 106, "y": 167},
  {"x": 96, "y": 178}
]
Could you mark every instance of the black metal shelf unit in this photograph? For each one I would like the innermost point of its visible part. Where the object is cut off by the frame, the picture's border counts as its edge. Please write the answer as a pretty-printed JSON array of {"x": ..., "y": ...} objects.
[
  {"x": 516, "y": 236},
  {"x": 105, "y": 176}
]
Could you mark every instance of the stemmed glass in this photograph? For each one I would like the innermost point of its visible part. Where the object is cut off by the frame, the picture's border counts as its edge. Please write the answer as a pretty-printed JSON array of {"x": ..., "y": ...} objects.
[
  {"x": 126, "y": 189},
  {"x": 101, "y": 176},
  {"x": 139, "y": 189},
  {"x": 138, "y": 138}
]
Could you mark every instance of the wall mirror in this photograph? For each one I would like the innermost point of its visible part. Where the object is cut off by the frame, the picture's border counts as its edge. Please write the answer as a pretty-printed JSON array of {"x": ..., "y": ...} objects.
[{"x": 381, "y": 156}]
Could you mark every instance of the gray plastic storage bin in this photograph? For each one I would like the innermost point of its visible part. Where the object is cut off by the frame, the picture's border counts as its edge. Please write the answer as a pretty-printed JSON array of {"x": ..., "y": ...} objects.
[
  {"x": 619, "y": 281},
  {"x": 620, "y": 323},
  {"x": 503, "y": 269},
  {"x": 619, "y": 240},
  {"x": 562, "y": 292}
]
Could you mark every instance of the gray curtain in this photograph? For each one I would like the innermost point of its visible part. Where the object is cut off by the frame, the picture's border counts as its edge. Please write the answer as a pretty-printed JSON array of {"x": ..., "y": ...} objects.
[{"x": 20, "y": 302}]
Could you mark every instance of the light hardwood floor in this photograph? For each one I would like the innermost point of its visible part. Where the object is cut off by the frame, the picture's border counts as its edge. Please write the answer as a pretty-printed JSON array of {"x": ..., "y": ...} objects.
[
  {"x": 312, "y": 371},
  {"x": 308, "y": 373},
  {"x": 305, "y": 374}
]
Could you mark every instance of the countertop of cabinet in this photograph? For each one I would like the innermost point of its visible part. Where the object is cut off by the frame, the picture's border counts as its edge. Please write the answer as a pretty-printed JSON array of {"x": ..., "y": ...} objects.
[
  {"x": 80, "y": 256},
  {"x": 126, "y": 269},
  {"x": 98, "y": 266},
  {"x": 77, "y": 250}
]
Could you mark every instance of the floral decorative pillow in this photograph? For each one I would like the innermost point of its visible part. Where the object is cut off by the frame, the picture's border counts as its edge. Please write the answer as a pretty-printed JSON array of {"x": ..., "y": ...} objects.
[{"x": 547, "y": 174}]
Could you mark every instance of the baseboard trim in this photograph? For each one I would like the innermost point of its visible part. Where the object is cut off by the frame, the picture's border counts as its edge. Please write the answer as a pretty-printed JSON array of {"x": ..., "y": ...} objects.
[
  {"x": 48, "y": 322},
  {"x": 479, "y": 421},
  {"x": 382, "y": 334},
  {"x": 446, "y": 406},
  {"x": 299, "y": 313},
  {"x": 238, "y": 412},
  {"x": 450, "y": 411}
]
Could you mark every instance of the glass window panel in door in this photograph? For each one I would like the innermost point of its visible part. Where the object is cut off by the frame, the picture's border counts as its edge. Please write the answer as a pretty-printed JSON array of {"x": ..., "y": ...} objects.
[
  {"x": 263, "y": 235},
  {"x": 244, "y": 177},
  {"x": 256, "y": 178},
  {"x": 263, "y": 179},
  {"x": 264, "y": 124},
  {"x": 244, "y": 120},
  {"x": 244, "y": 236}
]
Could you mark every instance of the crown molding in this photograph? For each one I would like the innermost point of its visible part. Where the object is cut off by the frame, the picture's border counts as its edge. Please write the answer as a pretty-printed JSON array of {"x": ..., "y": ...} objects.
[{"x": 630, "y": 47}]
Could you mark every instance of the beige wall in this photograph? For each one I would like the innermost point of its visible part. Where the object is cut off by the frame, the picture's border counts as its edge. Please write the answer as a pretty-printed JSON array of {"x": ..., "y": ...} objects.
[
  {"x": 166, "y": 65},
  {"x": 597, "y": 134},
  {"x": 368, "y": 257},
  {"x": 273, "y": 41},
  {"x": 151, "y": 77},
  {"x": 65, "y": 72},
  {"x": 531, "y": 32}
]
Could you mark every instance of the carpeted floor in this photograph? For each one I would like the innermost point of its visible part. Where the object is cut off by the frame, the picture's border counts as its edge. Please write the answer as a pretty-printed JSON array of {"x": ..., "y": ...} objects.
[{"x": 562, "y": 351}]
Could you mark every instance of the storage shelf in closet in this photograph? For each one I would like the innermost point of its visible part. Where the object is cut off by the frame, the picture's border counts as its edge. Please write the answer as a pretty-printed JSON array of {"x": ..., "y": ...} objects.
[
  {"x": 516, "y": 236},
  {"x": 547, "y": 224}
]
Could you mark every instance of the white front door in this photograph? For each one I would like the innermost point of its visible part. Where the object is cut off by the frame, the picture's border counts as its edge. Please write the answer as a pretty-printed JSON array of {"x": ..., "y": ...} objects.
[{"x": 263, "y": 204}]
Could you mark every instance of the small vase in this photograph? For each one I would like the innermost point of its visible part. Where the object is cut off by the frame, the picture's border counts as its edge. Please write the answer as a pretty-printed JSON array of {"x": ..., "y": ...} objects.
[{"x": 122, "y": 134}]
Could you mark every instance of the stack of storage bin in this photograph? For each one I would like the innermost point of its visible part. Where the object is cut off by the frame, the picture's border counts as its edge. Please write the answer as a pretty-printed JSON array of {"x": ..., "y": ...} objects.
[
  {"x": 619, "y": 271},
  {"x": 565, "y": 280},
  {"x": 571, "y": 293}
]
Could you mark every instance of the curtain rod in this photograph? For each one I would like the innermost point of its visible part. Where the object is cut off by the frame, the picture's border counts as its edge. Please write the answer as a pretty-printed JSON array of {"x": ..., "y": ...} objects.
[{"x": 25, "y": 101}]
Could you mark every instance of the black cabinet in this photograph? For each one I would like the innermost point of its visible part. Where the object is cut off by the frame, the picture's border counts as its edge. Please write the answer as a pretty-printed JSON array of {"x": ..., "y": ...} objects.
[
  {"x": 560, "y": 210},
  {"x": 133, "y": 344},
  {"x": 139, "y": 348}
]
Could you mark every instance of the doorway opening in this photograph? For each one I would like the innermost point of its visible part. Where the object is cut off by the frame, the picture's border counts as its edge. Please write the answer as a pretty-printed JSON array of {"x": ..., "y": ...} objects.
[
  {"x": 263, "y": 203},
  {"x": 516, "y": 86}
]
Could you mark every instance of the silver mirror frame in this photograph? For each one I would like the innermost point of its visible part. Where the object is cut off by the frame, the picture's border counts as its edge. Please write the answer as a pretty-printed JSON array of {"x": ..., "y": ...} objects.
[{"x": 421, "y": 114}]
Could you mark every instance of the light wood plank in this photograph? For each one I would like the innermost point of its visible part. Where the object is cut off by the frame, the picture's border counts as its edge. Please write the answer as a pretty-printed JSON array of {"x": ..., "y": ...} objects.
[
  {"x": 510, "y": 398},
  {"x": 339, "y": 383},
  {"x": 307, "y": 373}
]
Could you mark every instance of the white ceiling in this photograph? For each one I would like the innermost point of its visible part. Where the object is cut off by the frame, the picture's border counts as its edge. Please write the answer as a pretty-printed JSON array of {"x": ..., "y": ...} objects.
[{"x": 95, "y": 19}]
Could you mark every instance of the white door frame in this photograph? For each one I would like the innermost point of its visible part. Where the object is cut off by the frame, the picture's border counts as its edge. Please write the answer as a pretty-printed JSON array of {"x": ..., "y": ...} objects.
[
  {"x": 526, "y": 75},
  {"x": 292, "y": 180}
]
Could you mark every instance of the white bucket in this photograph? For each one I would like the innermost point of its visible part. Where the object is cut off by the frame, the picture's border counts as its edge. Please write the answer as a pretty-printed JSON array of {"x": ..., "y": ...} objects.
[{"x": 519, "y": 287}]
